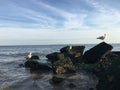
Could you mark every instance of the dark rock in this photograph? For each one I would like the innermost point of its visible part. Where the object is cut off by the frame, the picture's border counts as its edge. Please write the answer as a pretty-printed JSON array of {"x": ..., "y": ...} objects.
[
  {"x": 64, "y": 66},
  {"x": 76, "y": 51},
  {"x": 91, "y": 89},
  {"x": 109, "y": 78},
  {"x": 108, "y": 74},
  {"x": 35, "y": 65},
  {"x": 34, "y": 57},
  {"x": 73, "y": 52},
  {"x": 65, "y": 60},
  {"x": 95, "y": 54},
  {"x": 53, "y": 57}
]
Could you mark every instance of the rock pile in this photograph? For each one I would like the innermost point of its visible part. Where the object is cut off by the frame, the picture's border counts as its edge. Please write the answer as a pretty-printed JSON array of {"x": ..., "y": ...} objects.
[
  {"x": 65, "y": 60},
  {"x": 99, "y": 60}
]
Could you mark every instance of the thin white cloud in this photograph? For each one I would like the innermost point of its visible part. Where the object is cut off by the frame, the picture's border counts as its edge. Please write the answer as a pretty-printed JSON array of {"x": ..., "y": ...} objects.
[
  {"x": 72, "y": 20},
  {"x": 75, "y": 27},
  {"x": 104, "y": 17}
]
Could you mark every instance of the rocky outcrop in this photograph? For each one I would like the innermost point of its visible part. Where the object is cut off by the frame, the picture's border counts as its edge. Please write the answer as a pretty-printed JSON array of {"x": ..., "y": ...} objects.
[
  {"x": 35, "y": 65},
  {"x": 75, "y": 51},
  {"x": 109, "y": 77},
  {"x": 99, "y": 60},
  {"x": 53, "y": 57},
  {"x": 96, "y": 53},
  {"x": 108, "y": 73},
  {"x": 102, "y": 62},
  {"x": 33, "y": 57},
  {"x": 64, "y": 66},
  {"x": 65, "y": 60}
]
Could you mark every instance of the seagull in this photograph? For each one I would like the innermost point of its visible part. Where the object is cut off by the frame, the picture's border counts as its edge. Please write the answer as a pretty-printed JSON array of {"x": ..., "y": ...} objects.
[
  {"x": 70, "y": 47},
  {"x": 29, "y": 56},
  {"x": 102, "y": 37}
]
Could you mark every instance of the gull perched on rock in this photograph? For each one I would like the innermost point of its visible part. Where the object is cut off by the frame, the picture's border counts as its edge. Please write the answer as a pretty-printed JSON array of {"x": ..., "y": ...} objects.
[
  {"x": 102, "y": 37},
  {"x": 29, "y": 56}
]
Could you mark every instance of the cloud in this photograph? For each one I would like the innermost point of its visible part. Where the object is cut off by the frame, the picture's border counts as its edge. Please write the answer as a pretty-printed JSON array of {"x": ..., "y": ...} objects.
[{"x": 64, "y": 21}]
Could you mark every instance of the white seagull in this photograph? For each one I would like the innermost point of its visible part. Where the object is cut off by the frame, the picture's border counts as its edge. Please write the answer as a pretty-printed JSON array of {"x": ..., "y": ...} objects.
[
  {"x": 29, "y": 56},
  {"x": 102, "y": 37}
]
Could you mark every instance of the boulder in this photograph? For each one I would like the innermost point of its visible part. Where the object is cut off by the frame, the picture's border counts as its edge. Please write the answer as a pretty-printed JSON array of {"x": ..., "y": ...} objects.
[
  {"x": 65, "y": 60},
  {"x": 63, "y": 66},
  {"x": 73, "y": 52},
  {"x": 95, "y": 54},
  {"x": 108, "y": 74},
  {"x": 55, "y": 56},
  {"x": 33, "y": 57},
  {"x": 35, "y": 65},
  {"x": 109, "y": 77},
  {"x": 76, "y": 51}
]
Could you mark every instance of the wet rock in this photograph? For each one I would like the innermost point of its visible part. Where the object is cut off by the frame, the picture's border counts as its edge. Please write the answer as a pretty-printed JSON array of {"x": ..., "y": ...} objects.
[
  {"x": 65, "y": 60},
  {"x": 64, "y": 66},
  {"x": 53, "y": 57},
  {"x": 109, "y": 78},
  {"x": 95, "y": 54},
  {"x": 108, "y": 74},
  {"x": 75, "y": 51},
  {"x": 91, "y": 89},
  {"x": 33, "y": 57},
  {"x": 35, "y": 65}
]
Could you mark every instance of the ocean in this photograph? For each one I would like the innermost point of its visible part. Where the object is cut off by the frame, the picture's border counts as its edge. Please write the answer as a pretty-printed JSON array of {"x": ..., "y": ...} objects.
[{"x": 15, "y": 77}]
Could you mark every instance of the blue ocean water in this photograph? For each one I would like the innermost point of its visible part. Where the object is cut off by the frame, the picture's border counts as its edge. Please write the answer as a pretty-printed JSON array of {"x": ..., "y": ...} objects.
[{"x": 14, "y": 77}]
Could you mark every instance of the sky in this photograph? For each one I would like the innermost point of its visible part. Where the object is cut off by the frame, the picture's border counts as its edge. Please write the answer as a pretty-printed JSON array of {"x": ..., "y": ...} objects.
[{"x": 44, "y": 22}]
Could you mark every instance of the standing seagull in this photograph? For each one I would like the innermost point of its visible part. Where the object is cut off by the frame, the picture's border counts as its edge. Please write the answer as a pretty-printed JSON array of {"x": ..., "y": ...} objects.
[
  {"x": 102, "y": 37},
  {"x": 29, "y": 56}
]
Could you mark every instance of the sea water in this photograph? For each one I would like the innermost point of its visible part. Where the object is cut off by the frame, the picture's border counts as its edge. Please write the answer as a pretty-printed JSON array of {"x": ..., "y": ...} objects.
[{"x": 15, "y": 77}]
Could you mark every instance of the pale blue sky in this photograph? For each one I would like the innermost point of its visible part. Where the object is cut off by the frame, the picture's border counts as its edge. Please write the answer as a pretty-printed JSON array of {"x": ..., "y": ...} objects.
[{"x": 36, "y": 22}]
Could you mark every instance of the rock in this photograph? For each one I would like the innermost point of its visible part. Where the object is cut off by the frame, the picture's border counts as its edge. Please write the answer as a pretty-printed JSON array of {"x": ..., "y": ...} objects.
[
  {"x": 95, "y": 54},
  {"x": 76, "y": 51},
  {"x": 35, "y": 65},
  {"x": 108, "y": 74},
  {"x": 64, "y": 66},
  {"x": 73, "y": 52},
  {"x": 33, "y": 57},
  {"x": 91, "y": 89},
  {"x": 109, "y": 78},
  {"x": 55, "y": 56},
  {"x": 65, "y": 60}
]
